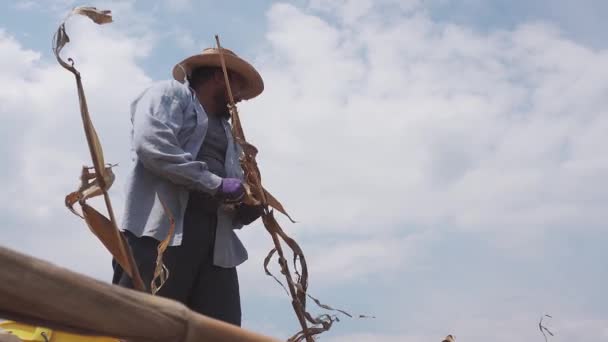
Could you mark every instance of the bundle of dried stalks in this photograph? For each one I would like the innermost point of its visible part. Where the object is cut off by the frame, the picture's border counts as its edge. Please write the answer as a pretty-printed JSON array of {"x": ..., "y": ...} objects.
[{"x": 256, "y": 194}]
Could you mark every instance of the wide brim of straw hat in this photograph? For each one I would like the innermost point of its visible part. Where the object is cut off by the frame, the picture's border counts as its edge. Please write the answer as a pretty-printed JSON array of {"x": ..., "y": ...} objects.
[{"x": 254, "y": 85}]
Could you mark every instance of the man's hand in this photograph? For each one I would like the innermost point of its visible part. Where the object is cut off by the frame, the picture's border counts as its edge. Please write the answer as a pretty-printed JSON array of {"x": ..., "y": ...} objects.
[
  {"x": 246, "y": 214},
  {"x": 231, "y": 190}
]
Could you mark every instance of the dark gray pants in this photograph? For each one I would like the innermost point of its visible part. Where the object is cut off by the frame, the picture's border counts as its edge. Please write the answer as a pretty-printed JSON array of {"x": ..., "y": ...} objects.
[{"x": 193, "y": 279}]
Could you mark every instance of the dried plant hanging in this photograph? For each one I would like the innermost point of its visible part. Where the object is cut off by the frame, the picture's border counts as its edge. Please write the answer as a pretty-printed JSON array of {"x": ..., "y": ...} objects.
[
  {"x": 543, "y": 328},
  {"x": 96, "y": 180},
  {"x": 256, "y": 194},
  {"x": 99, "y": 181}
]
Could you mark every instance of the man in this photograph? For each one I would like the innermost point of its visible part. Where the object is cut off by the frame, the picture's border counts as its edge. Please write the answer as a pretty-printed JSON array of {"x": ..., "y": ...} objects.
[{"x": 185, "y": 158}]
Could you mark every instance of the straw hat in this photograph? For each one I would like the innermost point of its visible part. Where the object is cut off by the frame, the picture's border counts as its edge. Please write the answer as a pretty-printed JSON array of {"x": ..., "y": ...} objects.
[{"x": 254, "y": 85}]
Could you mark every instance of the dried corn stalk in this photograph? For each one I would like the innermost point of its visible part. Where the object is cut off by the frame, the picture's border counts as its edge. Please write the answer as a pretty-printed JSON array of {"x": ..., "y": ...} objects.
[
  {"x": 96, "y": 180},
  {"x": 543, "y": 328},
  {"x": 256, "y": 194}
]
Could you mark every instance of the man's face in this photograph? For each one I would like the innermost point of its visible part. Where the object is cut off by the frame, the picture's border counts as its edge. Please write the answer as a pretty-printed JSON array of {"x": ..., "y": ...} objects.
[{"x": 237, "y": 85}]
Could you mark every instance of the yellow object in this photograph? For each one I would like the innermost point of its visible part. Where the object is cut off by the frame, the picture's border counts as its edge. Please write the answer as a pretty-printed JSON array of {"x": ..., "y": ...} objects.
[{"x": 28, "y": 333}]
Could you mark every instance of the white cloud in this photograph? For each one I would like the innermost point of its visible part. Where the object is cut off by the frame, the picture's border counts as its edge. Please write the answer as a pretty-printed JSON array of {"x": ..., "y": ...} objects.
[
  {"x": 25, "y": 4},
  {"x": 177, "y": 5},
  {"x": 354, "y": 259},
  {"x": 412, "y": 122},
  {"x": 186, "y": 41},
  {"x": 348, "y": 9},
  {"x": 39, "y": 5},
  {"x": 334, "y": 262},
  {"x": 349, "y": 12},
  {"x": 15, "y": 61},
  {"x": 372, "y": 126}
]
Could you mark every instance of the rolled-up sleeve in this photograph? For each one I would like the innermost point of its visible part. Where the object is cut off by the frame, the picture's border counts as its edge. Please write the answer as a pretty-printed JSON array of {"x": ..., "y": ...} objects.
[{"x": 157, "y": 119}]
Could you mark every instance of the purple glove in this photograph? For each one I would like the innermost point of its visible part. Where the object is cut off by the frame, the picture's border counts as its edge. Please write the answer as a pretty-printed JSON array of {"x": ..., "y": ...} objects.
[{"x": 231, "y": 189}]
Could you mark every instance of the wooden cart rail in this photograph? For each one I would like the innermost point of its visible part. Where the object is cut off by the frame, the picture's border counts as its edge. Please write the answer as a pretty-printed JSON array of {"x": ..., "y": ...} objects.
[{"x": 37, "y": 292}]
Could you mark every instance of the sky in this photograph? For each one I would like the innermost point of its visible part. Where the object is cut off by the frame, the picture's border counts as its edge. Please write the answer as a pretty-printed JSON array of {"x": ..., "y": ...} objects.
[{"x": 445, "y": 160}]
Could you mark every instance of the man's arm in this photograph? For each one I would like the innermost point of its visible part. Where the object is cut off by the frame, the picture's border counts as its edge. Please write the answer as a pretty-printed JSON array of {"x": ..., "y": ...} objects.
[{"x": 156, "y": 123}]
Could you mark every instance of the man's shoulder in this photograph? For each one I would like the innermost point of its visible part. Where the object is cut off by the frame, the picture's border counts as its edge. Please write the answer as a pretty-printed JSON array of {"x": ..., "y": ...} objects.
[
  {"x": 171, "y": 88},
  {"x": 160, "y": 91}
]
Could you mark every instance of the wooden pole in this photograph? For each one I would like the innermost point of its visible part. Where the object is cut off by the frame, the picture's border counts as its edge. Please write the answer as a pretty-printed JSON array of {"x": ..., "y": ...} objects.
[{"x": 36, "y": 292}]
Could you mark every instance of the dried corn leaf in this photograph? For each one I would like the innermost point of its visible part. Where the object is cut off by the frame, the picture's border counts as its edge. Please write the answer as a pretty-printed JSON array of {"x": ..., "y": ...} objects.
[
  {"x": 268, "y": 273},
  {"x": 543, "y": 328},
  {"x": 97, "y": 183},
  {"x": 98, "y": 16},
  {"x": 61, "y": 37},
  {"x": 327, "y": 307},
  {"x": 299, "y": 286},
  {"x": 60, "y": 40},
  {"x": 89, "y": 187},
  {"x": 106, "y": 232},
  {"x": 249, "y": 197},
  {"x": 161, "y": 272},
  {"x": 273, "y": 202},
  {"x": 322, "y": 323},
  {"x": 255, "y": 193}
]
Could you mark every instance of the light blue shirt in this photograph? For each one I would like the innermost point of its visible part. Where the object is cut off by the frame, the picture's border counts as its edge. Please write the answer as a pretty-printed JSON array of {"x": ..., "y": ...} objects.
[{"x": 169, "y": 127}]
